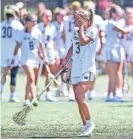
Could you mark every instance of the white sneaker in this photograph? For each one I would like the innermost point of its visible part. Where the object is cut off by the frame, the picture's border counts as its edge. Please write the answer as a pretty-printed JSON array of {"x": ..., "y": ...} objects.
[
  {"x": 14, "y": 99},
  {"x": 87, "y": 130},
  {"x": 71, "y": 95},
  {"x": 116, "y": 99},
  {"x": 26, "y": 103},
  {"x": 91, "y": 94},
  {"x": 119, "y": 92},
  {"x": 50, "y": 98}
]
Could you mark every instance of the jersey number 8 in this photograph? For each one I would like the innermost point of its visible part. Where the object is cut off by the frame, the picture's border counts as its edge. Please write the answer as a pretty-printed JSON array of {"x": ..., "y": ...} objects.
[
  {"x": 6, "y": 32},
  {"x": 31, "y": 44}
]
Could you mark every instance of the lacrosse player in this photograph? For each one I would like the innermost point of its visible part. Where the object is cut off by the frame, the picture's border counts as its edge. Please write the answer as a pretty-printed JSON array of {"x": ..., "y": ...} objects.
[
  {"x": 83, "y": 73},
  {"x": 99, "y": 22},
  {"x": 127, "y": 39},
  {"x": 30, "y": 42},
  {"x": 49, "y": 33},
  {"x": 59, "y": 25},
  {"x": 115, "y": 54},
  {"x": 67, "y": 37},
  {"x": 10, "y": 28}
]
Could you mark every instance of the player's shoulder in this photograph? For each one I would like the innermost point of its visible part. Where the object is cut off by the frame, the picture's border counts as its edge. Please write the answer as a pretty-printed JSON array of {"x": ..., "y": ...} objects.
[
  {"x": 39, "y": 25},
  {"x": 92, "y": 31},
  {"x": 37, "y": 30},
  {"x": 52, "y": 26},
  {"x": 17, "y": 24},
  {"x": 54, "y": 23},
  {"x": 98, "y": 17}
]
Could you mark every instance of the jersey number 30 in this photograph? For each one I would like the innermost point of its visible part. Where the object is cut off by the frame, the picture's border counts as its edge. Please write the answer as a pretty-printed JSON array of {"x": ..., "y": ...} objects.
[
  {"x": 78, "y": 47},
  {"x": 6, "y": 32},
  {"x": 31, "y": 45}
]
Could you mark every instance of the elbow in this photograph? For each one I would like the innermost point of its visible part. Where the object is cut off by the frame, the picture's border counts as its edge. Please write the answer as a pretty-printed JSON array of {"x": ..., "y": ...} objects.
[{"x": 82, "y": 43}]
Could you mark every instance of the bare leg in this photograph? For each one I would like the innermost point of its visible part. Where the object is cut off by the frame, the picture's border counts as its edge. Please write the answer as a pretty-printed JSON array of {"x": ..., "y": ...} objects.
[
  {"x": 120, "y": 75},
  {"x": 3, "y": 78},
  {"x": 80, "y": 90},
  {"x": 30, "y": 87},
  {"x": 113, "y": 76},
  {"x": 80, "y": 111}
]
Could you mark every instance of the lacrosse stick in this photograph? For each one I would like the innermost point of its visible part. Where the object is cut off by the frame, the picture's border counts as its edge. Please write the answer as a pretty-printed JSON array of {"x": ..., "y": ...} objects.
[{"x": 20, "y": 117}]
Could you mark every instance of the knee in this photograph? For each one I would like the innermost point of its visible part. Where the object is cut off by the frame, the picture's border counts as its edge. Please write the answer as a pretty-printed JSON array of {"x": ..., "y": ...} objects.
[
  {"x": 13, "y": 76},
  {"x": 80, "y": 98},
  {"x": 30, "y": 80}
]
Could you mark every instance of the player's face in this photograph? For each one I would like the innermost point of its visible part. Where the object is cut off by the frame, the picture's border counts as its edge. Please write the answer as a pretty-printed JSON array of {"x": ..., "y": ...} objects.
[
  {"x": 29, "y": 24},
  {"x": 129, "y": 18},
  {"x": 47, "y": 18},
  {"x": 60, "y": 17}
]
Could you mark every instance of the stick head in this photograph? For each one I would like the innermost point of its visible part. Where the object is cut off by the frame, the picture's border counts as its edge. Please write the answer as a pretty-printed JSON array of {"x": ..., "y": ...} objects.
[{"x": 19, "y": 117}]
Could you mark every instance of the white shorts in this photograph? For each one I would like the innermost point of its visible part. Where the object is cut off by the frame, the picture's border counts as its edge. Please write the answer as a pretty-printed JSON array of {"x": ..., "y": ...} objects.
[
  {"x": 30, "y": 63},
  {"x": 115, "y": 54},
  {"x": 6, "y": 62},
  {"x": 88, "y": 76}
]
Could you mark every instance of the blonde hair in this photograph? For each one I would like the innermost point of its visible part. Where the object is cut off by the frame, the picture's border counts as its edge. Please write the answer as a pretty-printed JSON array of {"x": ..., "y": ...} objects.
[
  {"x": 129, "y": 10},
  {"x": 88, "y": 15}
]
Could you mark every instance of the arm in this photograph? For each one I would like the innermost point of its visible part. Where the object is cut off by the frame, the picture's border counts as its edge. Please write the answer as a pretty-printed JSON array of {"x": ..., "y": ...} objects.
[
  {"x": 14, "y": 54},
  {"x": 123, "y": 30},
  {"x": 69, "y": 54},
  {"x": 41, "y": 52},
  {"x": 83, "y": 38},
  {"x": 16, "y": 48}
]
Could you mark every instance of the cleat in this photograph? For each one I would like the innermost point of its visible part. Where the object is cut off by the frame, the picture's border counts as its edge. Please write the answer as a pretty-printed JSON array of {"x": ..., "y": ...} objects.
[
  {"x": 116, "y": 99},
  {"x": 26, "y": 103},
  {"x": 87, "y": 130},
  {"x": 108, "y": 98},
  {"x": 50, "y": 98},
  {"x": 14, "y": 99}
]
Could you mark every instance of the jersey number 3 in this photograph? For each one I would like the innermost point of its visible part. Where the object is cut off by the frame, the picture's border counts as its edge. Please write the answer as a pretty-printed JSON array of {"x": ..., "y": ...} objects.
[
  {"x": 31, "y": 45},
  {"x": 78, "y": 47},
  {"x": 6, "y": 32}
]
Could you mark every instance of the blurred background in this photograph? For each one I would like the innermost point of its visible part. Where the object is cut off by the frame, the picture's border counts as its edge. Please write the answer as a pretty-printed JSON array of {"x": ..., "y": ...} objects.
[{"x": 51, "y": 4}]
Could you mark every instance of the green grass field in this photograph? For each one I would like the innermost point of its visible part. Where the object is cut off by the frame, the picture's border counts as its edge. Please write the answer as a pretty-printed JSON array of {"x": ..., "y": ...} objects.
[{"x": 61, "y": 119}]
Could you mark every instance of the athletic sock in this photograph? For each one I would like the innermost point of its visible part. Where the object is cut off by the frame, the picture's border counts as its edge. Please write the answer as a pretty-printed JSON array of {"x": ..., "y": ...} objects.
[
  {"x": 88, "y": 122},
  {"x": 12, "y": 95}
]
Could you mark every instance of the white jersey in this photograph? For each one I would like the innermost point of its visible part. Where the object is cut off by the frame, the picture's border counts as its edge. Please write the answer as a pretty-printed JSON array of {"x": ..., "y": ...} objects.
[
  {"x": 127, "y": 43},
  {"x": 84, "y": 56},
  {"x": 58, "y": 39},
  {"x": 9, "y": 30},
  {"x": 112, "y": 36},
  {"x": 68, "y": 28},
  {"x": 99, "y": 23},
  {"x": 29, "y": 43},
  {"x": 48, "y": 34}
]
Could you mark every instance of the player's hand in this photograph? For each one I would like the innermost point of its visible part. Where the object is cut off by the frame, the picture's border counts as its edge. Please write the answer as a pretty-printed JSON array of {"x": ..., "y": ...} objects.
[
  {"x": 57, "y": 61},
  {"x": 63, "y": 63},
  {"x": 41, "y": 56},
  {"x": 12, "y": 64},
  {"x": 80, "y": 19}
]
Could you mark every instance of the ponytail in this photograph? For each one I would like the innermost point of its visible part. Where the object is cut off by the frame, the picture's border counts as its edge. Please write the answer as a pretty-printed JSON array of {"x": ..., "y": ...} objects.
[{"x": 91, "y": 17}]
